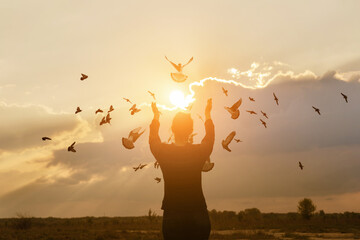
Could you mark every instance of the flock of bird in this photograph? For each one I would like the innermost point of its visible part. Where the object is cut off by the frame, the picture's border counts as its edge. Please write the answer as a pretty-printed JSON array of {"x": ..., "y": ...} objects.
[
  {"x": 235, "y": 113},
  {"x": 128, "y": 142}
]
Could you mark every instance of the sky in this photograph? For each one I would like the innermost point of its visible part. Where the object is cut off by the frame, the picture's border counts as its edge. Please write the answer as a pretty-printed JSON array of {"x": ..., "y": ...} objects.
[{"x": 307, "y": 52}]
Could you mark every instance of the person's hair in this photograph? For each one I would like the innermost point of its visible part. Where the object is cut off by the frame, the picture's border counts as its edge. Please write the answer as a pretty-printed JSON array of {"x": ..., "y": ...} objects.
[{"x": 182, "y": 125}]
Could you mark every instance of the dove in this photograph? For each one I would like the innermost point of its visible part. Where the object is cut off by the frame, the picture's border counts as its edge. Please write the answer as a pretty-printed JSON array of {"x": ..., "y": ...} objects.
[
  {"x": 108, "y": 118},
  {"x": 111, "y": 108},
  {"x": 178, "y": 76},
  {"x": 99, "y": 111},
  {"x": 157, "y": 179},
  {"x": 188, "y": 108},
  {"x": 71, "y": 148},
  {"x": 83, "y": 77},
  {"x": 78, "y": 110},
  {"x": 225, "y": 143},
  {"x": 152, "y": 94},
  {"x": 301, "y": 166},
  {"x": 276, "y": 99},
  {"x": 233, "y": 110},
  {"x": 263, "y": 123},
  {"x": 134, "y": 110},
  {"x": 264, "y": 114},
  {"x": 103, "y": 121},
  {"x": 208, "y": 166},
  {"x": 133, "y": 136},
  {"x": 316, "y": 110},
  {"x": 128, "y": 100},
  {"x": 46, "y": 138},
  {"x": 345, "y": 97},
  {"x": 137, "y": 168},
  {"x": 237, "y": 140},
  {"x": 142, "y": 166},
  {"x": 225, "y": 91},
  {"x": 179, "y": 67},
  {"x": 156, "y": 164},
  {"x": 251, "y": 112},
  {"x": 252, "y": 99}
]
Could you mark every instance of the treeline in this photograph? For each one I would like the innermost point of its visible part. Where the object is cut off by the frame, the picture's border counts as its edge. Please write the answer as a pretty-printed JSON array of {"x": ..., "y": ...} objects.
[{"x": 252, "y": 218}]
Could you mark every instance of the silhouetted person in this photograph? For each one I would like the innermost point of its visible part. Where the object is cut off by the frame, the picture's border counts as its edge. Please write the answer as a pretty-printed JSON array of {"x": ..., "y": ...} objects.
[{"x": 185, "y": 211}]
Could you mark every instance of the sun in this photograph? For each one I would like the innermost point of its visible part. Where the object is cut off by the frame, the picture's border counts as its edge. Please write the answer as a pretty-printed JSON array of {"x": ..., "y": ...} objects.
[{"x": 177, "y": 98}]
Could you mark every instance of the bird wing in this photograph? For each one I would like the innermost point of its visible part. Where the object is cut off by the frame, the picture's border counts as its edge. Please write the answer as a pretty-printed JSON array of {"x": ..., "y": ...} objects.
[
  {"x": 72, "y": 145},
  {"x": 132, "y": 107},
  {"x": 236, "y": 105},
  {"x": 230, "y": 137},
  {"x": 192, "y": 58},
  {"x": 174, "y": 65}
]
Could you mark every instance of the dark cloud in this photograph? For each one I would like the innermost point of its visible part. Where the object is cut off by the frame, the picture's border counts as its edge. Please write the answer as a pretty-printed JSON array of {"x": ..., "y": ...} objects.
[
  {"x": 264, "y": 165},
  {"x": 24, "y": 126}
]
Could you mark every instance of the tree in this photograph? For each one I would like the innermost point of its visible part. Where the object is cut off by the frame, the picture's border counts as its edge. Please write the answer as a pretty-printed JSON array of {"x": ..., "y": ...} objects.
[{"x": 306, "y": 208}]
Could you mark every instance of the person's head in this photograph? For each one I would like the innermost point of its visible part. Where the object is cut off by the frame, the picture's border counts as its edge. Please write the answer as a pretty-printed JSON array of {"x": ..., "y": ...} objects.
[{"x": 182, "y": 126}]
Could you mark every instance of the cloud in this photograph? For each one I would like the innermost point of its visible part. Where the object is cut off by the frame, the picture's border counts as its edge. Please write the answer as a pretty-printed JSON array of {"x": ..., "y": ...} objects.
[{"x": 264, "y": 166}]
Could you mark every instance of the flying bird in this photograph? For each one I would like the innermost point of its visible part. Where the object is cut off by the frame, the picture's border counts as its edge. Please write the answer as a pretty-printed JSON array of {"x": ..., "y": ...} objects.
[
  {"x": 188, "y": 108},
  {"x": 156, "y": 164},
  {"x": 263, "y": 123},
  {"x": 103, "y": 121},
  {"x": 264, "y": 114},
  {"x": 179, "y": 67},
  {"x": 78, "y": 110},
  {"x": 108, "y": 118},
  {"x": 142, "y": 166},
  {"x": 301, "y": 166},
  {"x": 276, "y": 99},
  {"x": 83, "y": 77},
  {"x": 127, "y": 100},
  {"x": 133, "y": 136},
  {"x": 178, "y": 76},
  {"x": 111, "y": 108},
  {"x": 316, "y": 110},
  {"x": 157, "y": 179},
  {"x": 345, "y": 97},
  {"x": 71, "y": 147},
  {"x": 237, "y": 140},
  {"x": 225, "y": 143},
  {"x": 99, "y": 111},
  {"x": 208, "y": 166},
  {"x": 46, "y": 138},
  {"x": 252, "y": 99},
  {"x": 251, "y": 112},
  {"x": 152, "y": 94},
  {"x": 225, "y": 91},
  {"x": 137, "y": 168},
  {"x": 233, "y": 110},
  {"x": 134, "y": 110}
]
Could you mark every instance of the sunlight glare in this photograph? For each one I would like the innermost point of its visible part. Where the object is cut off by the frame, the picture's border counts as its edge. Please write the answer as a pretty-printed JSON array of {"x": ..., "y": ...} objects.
[{"x": 178, "y": 99}]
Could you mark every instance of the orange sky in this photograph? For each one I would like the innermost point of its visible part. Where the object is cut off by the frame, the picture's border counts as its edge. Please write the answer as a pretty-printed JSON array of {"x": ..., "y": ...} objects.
[{"x": 305, "y": 51}]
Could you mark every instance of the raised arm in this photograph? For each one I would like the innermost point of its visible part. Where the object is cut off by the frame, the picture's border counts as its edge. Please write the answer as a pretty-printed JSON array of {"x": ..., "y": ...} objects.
[
  {"x": 208, "y": 141},
  {"x": 154, "y": 139}
]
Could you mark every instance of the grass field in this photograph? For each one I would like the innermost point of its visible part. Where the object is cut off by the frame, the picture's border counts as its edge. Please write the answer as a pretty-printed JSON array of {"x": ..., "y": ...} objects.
[{"x": 225, "y": 225}]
